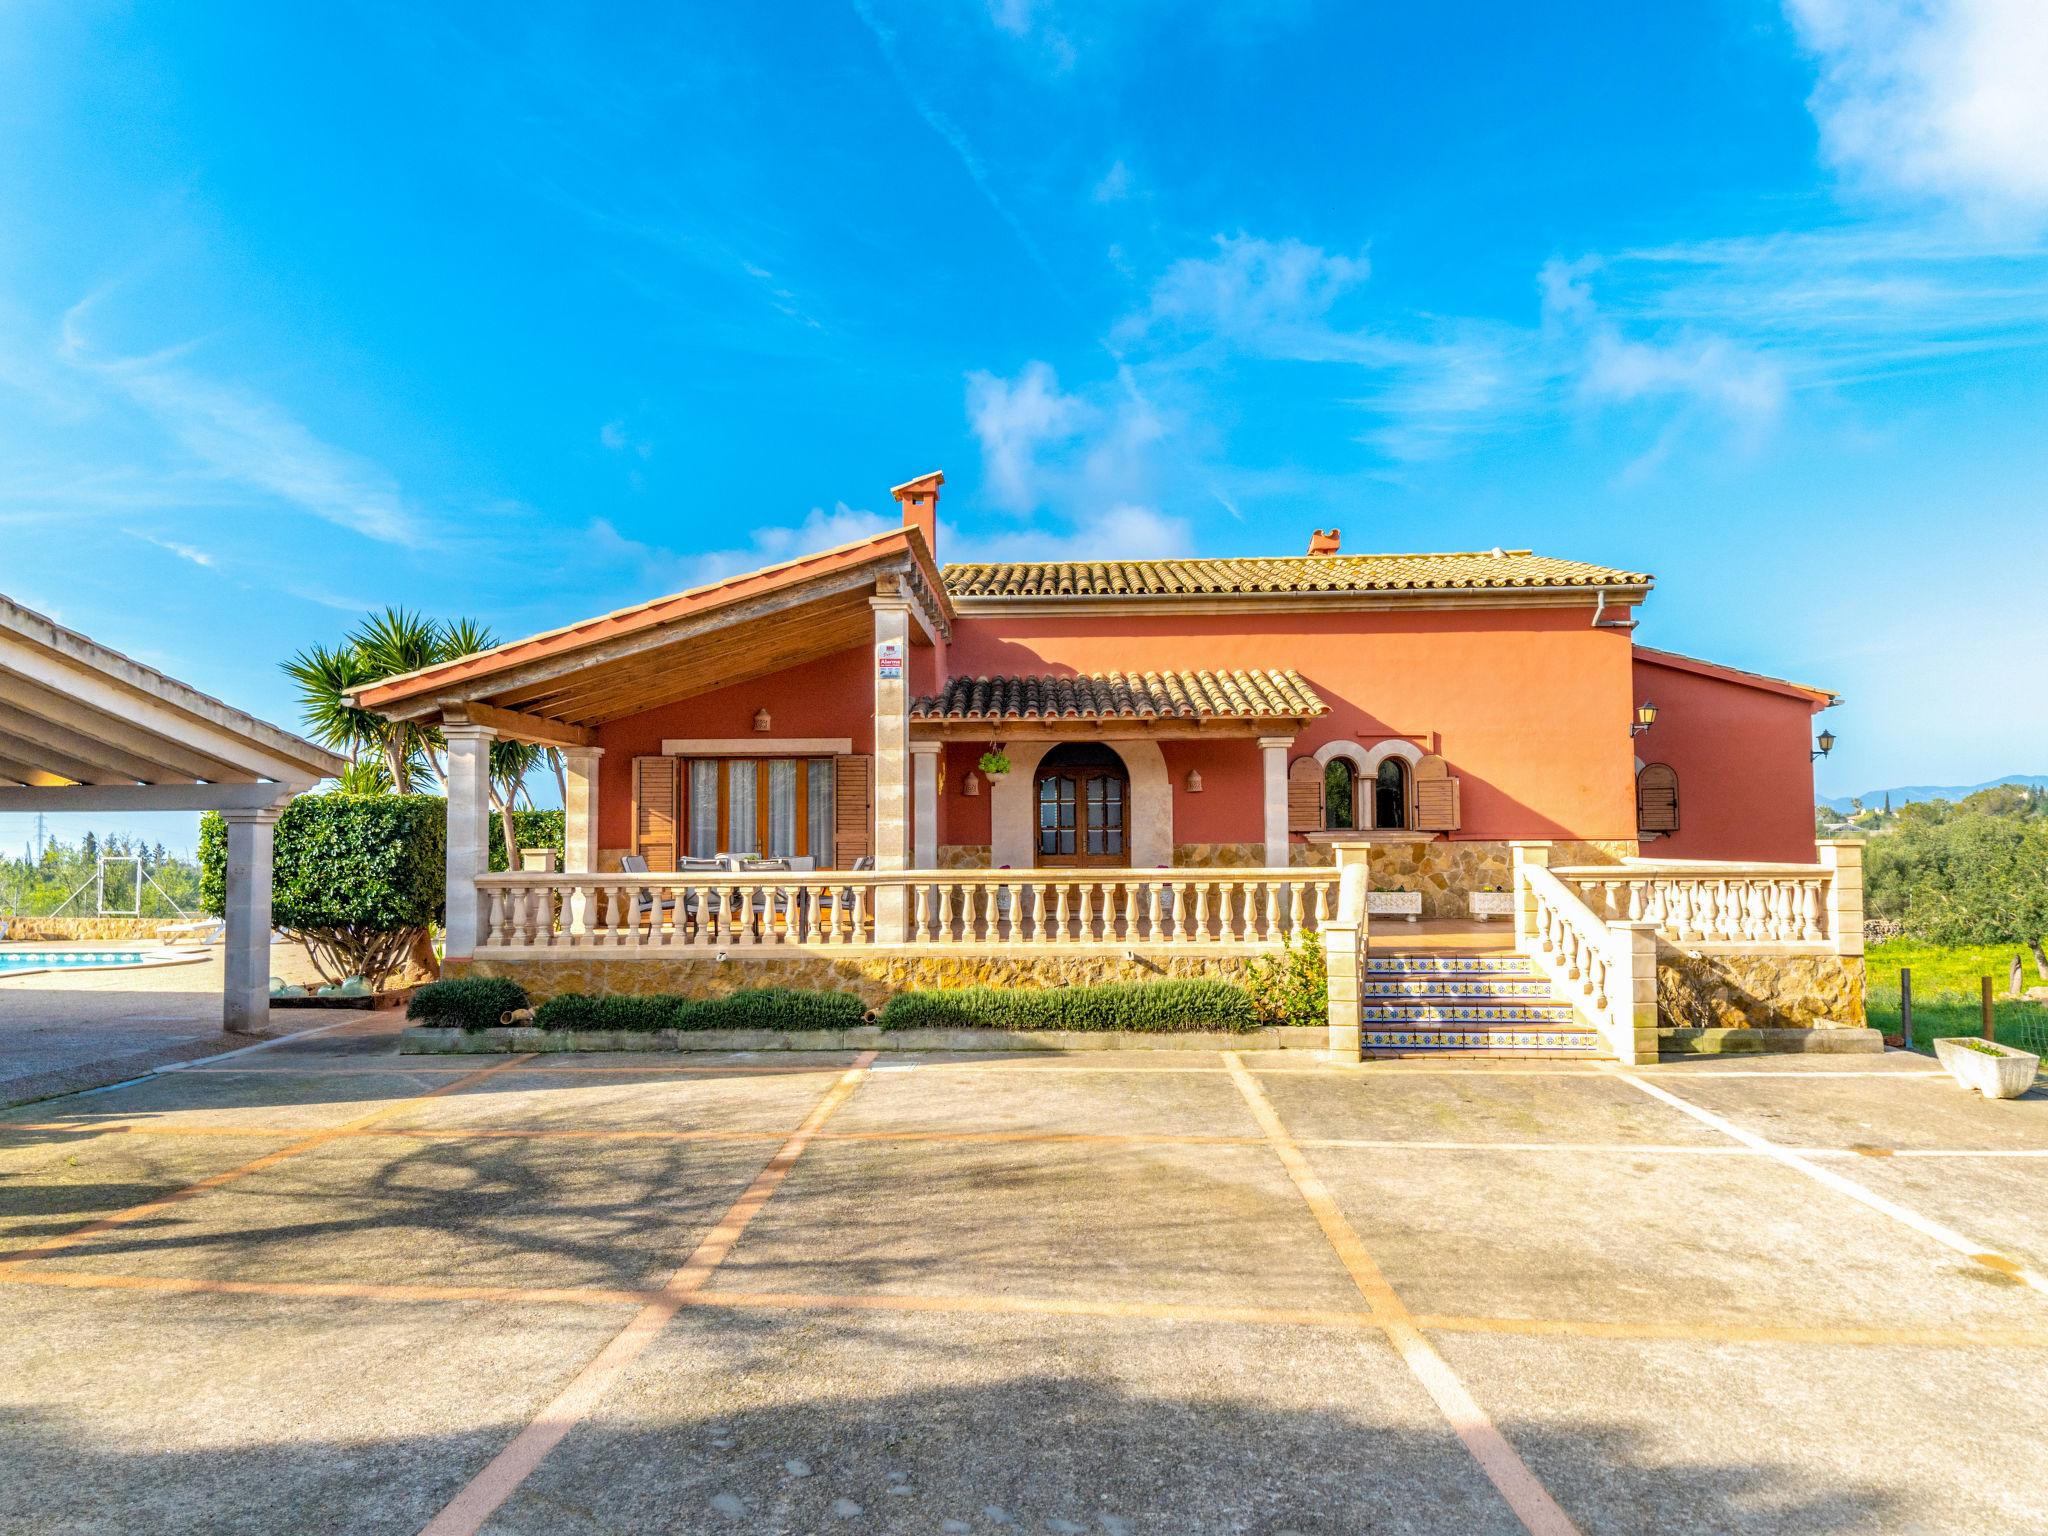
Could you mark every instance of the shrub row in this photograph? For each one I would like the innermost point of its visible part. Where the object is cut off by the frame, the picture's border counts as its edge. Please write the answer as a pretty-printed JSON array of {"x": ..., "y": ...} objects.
[
  {"x": 1154, "y": 1007},
  {"x": 480, "y": 1002}
]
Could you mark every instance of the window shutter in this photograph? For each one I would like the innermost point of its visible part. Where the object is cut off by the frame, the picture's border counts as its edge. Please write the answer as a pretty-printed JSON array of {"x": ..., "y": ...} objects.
[
  {"x": 1657, "y": 798},
  {"x": 1305, "y": 795},
  {"x": 654, "y": 811},
  {"x": 852, "y": 809},
  {"x": 1436, "y": 796}
]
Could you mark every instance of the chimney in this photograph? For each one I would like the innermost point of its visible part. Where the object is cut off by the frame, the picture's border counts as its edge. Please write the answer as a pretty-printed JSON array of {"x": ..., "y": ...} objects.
[
  {"x": 1321, "y": 543},
  {"x": 920, "y": 500}
]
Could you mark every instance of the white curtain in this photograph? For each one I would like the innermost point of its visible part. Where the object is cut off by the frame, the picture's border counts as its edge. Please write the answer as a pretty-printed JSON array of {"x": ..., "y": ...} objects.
[
  {"x": 703, "y": 808},
  {"x": 781, "y": 807},
  {"x": 741, "y": 830},
  {"x": 821, "y": 812}
]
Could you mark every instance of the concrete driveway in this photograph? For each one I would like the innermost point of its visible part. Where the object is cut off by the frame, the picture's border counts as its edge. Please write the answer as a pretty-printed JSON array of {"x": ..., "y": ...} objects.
[{"x": 323, "y": 1288}]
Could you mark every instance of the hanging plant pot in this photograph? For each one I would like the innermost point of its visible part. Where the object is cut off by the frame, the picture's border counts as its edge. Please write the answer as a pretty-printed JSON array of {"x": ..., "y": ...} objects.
[{"x": 995, "y": 765}]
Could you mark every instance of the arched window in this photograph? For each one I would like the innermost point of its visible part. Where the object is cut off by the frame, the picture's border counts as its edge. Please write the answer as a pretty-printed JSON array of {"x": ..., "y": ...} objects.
[
  {"x": 1084, "y": 799},
  {"x": 1390, "y": 794},
  {"x": 1656, "y": 799},
  {"x": 1340, "y": 794}
]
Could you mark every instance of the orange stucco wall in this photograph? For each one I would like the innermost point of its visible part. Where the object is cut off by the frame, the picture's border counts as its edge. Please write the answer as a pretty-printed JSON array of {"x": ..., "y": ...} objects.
[
  {"x": 1530, "y": 707},
  {"x": 1745, "y": 776},
  {"x": 834, "y": 696}
]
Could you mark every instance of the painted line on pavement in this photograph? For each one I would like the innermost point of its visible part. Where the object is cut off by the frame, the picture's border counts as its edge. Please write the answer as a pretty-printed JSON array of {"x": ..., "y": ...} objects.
[
  {"x": 1948, "y": 1237},
  {"x": 466, "y": 1513},
  {"x": 268, "y": 1160},
  {"x": 1525, "y": 1494}
]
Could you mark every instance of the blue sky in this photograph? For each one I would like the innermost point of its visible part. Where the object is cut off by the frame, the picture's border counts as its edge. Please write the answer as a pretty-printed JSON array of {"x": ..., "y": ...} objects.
[{"x": 310, "y": 308}]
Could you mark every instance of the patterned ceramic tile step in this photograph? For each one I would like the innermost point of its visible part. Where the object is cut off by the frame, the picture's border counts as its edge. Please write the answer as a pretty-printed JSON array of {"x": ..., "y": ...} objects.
[
  {"x": 1438, "y": 965},
  {"x": 1460, "y": 1011},
  {"x": 1453, "y": 986},
  {"x": 1564, "y": 1042}
]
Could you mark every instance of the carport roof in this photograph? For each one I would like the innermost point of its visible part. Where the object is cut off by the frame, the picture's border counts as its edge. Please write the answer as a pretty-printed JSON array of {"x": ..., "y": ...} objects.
[{"x": 90, "y": 724}]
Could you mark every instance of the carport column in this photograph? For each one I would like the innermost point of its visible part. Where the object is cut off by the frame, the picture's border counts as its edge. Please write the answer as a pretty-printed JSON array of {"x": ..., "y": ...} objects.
[
  {"x": 1844, "y": 856},
  {"x": 892, "y": 762},
  {"x": 245, "y": 996},
  {"x": 1275, "y": 750},
  {"x": 579, "y": 826},
  {"x": 469, "y": 826},
  {"x": 924, "y": 803},
  {"x": 1344, "y": 949}
]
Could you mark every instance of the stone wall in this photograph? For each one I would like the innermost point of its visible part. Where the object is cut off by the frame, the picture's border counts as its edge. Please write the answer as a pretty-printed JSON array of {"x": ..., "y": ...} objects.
[
  {"x": 875, "y": 976},
  {"x": 963, "y": 856},
  {"x": 57, "y": 930},
  {"x": 1219, "y": 855},
  {"x": 1447, "y": 871},
  {"x": 1704, "y": 990}
]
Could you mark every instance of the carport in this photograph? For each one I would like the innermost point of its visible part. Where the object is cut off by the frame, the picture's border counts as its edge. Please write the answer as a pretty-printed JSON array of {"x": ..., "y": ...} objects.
[{"x": 83, "y": 728}]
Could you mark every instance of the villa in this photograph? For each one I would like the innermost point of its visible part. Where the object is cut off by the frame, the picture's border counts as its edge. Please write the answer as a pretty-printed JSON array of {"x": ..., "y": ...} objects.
[{"x": 865, "y": 768}]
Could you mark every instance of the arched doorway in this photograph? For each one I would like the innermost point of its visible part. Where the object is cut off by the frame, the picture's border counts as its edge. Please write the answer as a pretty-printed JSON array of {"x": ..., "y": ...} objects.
[{"x": 1083, "y": 795}]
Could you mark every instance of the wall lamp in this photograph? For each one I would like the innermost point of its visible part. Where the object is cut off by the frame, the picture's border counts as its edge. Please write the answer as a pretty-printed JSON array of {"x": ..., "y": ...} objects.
[
  {"x": 1823, "y": 745},
  {"x": 1646, "y": 716}
]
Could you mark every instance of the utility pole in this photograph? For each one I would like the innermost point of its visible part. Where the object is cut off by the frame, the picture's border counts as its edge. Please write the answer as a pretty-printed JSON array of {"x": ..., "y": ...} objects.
[{"x": 39, "y": 837}]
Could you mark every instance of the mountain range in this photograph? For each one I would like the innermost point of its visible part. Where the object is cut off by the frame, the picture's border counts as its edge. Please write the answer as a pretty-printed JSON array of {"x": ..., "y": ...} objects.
[{"x": 1904, "y": 794}]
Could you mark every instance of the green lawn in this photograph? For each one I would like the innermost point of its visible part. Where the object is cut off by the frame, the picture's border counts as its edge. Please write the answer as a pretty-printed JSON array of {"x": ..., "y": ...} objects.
[{"x": 1945, "y": 992}]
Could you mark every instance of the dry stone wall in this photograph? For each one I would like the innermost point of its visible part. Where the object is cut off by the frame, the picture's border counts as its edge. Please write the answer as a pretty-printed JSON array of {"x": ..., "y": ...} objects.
[{"x": 1699, "y": 990}]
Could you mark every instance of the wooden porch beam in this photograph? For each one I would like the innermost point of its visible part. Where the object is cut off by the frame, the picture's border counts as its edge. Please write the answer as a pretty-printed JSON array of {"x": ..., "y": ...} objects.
[{"x": 516, "y": 725}]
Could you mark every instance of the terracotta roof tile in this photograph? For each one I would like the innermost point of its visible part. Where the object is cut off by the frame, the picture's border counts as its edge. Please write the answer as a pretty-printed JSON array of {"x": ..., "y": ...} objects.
[
  {"x": 1239, "y": 695},
  {"x": 1484, "y": 570}
]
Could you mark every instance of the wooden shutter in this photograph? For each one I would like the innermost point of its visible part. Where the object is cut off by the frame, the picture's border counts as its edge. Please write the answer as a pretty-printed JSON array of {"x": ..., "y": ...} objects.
[
  {"x": 1304, "y": 795},
  {"x": 1436, "y": 796},
  {"x": 654, "y": 810},
  {"x": 853, "y": 800},
  {"x": 1657, "y": 798}
]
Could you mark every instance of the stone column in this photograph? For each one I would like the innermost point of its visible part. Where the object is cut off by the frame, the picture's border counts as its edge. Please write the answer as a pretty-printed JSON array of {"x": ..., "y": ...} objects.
[
  {"x": 579, "y": 826},
  {"x": 892, "y": 762},
  {"x": 1274, "y": 748},
  {"x": 1843, "y": 857},
  {"x": 924, "y": 803},
  {"x": 1537, "y": 855},
  {"x": 1344, "y": 951},
  {"x": 469, "y": 825},
  {"x": 245, "y": 996},
  {"x": 1631, "y": 1032}
]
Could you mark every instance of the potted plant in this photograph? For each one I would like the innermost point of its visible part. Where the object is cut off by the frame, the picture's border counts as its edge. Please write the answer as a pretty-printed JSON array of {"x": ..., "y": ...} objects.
[
  {"x": 995, "y": 763},
  {"x": 1996, "y": 1071}
]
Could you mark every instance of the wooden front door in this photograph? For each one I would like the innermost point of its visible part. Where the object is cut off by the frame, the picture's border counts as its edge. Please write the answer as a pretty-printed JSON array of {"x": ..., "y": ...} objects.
[{"x": 1083, "y": 813}]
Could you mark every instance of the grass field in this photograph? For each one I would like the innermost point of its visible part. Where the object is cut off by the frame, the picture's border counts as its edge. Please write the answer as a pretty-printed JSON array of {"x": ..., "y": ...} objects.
[{"x": 1945, "y": 992}]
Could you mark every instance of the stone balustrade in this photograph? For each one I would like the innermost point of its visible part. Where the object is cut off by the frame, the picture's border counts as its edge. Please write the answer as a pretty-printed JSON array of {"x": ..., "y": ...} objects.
[
  {"x": 739, "y": 914},
  {"x": 1745, "y": 905}
]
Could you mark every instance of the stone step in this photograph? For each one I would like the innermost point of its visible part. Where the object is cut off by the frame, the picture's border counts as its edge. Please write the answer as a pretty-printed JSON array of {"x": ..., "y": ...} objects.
[
  {"x": 1507, "y": 966},
  {"x": 1541, "y": 1012},
  {"x": 1578, "y": 1043},
  {"x": 1475, "y": 987}
]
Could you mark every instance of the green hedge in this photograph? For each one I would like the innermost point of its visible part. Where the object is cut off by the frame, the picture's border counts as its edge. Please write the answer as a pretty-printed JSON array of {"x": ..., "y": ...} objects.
[
  {"x": 758, "y": 1008},
  {"x": 467, "y": 1002},
  {"x": 357, "y": 879},
  {"x": 534, "y": 829},
  {"x": 1155, "y": 1007}
]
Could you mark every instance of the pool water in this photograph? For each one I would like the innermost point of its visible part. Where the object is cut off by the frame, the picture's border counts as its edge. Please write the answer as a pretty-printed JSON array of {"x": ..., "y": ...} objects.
[{"x": 66, "y": 959}]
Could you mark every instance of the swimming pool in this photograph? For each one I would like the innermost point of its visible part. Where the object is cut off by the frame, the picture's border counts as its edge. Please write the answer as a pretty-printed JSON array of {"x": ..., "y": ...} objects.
[{"x": 21, "y": 962}]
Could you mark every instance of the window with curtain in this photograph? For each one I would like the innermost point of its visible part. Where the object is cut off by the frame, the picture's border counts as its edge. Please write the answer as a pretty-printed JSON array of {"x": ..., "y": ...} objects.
[
  {"x": 742, "y": 800},
  {"x": 819, "y": 772},
  {"x": 703, "y": 791},
  {"x": 777, "y": 807}
]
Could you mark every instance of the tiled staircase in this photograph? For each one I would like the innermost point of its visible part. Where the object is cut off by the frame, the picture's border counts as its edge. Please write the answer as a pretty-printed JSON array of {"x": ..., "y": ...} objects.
[{"x": 1468, "y": 1005}]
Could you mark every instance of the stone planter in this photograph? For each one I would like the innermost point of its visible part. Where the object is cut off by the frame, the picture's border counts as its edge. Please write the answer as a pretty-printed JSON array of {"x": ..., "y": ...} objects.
[{"x": 2006, "y": 1075}]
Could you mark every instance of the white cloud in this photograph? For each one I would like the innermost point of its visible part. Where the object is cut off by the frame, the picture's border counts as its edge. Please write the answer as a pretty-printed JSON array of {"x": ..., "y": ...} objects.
[
  {"x": 614, "y": 436},
  {"x": 182, "y": 551},
  {"x": 1115, "y": 185},
  {"x": 241, "y": 438},
  {"x": 665, "y": 570},
  {"x": 1947, "y": 98},
  {"x": 1270, "y": 296},
  {"x": 1015, "y": 420},
  {"x": 1123, "y": 532}
]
